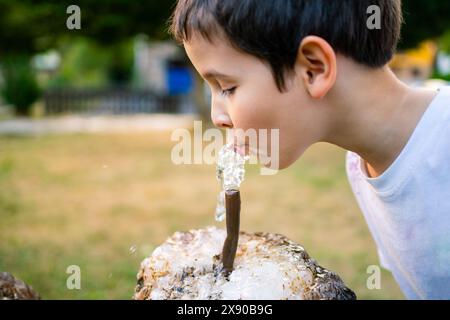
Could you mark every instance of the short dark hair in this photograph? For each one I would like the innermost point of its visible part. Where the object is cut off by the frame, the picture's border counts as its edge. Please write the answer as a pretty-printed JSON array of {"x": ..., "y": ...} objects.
[{"x": 273, "y": 29}]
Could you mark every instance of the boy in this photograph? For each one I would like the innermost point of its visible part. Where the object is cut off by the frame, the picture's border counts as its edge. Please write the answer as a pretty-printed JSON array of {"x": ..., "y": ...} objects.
[{"x": 317, "y": 72}]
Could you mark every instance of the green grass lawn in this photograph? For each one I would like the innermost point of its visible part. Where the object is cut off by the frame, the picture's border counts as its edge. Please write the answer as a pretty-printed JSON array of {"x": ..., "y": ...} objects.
[{"x": 86, "y": 199}]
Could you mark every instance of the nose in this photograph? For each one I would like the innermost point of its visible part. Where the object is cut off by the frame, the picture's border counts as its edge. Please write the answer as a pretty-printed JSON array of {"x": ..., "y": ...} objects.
[
  {"x": 221, "y": 120},
  {"x": 219, "y": 116}
]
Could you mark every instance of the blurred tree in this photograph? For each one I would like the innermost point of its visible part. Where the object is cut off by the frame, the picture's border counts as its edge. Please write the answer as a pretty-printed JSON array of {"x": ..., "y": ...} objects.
[
  {"x": 83, "y": 65},
  {"x": 23, "y": 31},
  {"x": 20, "y": 87},
  {"x": 87, "y": 64},
  {"x": 444, "y": 42},
  {"x": 36, "y": 25},
  {"x": 424, "y": 20},
  {"x": 120, "y": 64},
  {"x": 31, "y": 26}
]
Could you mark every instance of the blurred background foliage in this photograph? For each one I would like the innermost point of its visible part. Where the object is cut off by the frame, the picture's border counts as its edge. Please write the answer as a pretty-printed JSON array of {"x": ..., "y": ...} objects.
[
  {"x": 88, "y": 64},
  {"x": 20, "y": 86},
  {"x": 100, "y": 53},
  {"x": 424, "y": 20}
]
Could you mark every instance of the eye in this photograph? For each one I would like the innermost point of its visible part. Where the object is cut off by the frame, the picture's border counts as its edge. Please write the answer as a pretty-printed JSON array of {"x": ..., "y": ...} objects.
[{"x": 228, "y": 92}]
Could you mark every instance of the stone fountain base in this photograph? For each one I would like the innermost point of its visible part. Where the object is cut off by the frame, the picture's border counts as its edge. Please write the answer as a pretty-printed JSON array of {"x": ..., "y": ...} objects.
[{"x": 267, "y": 266}]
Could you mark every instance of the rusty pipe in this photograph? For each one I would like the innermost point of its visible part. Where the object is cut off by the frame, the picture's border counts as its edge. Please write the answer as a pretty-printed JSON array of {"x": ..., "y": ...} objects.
[{"x": 233, "y": 209}]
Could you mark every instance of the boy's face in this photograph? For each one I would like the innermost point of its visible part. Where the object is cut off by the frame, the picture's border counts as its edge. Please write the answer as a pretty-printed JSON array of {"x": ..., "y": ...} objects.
[{"x": 245, "y": 96}]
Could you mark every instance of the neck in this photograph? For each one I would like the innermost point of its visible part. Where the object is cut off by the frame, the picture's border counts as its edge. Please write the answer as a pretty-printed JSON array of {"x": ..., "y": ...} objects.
[{"x": 373, "y": 114}]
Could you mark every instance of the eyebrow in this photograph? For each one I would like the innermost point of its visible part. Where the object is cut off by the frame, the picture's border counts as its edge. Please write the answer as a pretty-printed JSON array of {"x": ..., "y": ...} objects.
[{"x": 213, "y": 74}]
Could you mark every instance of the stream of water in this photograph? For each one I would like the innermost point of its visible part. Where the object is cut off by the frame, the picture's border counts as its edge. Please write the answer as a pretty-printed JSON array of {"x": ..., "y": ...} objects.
[{"x": 230, "y": 172}]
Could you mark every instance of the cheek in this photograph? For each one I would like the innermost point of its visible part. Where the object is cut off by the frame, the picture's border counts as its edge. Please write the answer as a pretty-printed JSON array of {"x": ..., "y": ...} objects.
[
  {"x": 260, "y": 105},
  {"x": 268, "y": 109},
  {"x": 256, "y": 110},
  {"x": 271, "y": 109}
]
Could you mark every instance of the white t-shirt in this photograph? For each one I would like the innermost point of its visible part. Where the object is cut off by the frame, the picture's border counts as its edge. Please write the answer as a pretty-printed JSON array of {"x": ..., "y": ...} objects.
[{"x": 407, "y": 208}]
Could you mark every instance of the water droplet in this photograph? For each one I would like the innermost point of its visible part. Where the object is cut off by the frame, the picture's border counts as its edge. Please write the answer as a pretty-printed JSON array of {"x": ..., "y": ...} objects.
[
  {"x": 220, "y": 209},
  {"x": 133, "y": 250}
]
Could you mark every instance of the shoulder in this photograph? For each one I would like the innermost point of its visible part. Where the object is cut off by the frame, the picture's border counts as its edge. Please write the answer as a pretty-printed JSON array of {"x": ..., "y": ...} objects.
[
  {"x": 352, "y": 163},
  {"x": 353, "y": 169}
]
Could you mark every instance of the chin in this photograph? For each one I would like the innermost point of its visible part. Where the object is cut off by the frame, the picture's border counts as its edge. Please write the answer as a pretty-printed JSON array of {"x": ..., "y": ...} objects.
[
  {"x": 288, "y": 159},
  {"x": 283, "y": 163},
  {"x": 286, "y": 164}
]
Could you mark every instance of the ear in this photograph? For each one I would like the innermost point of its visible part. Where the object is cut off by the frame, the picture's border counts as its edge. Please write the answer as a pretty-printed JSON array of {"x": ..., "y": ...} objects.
[{"x": 317, "y": 63}]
